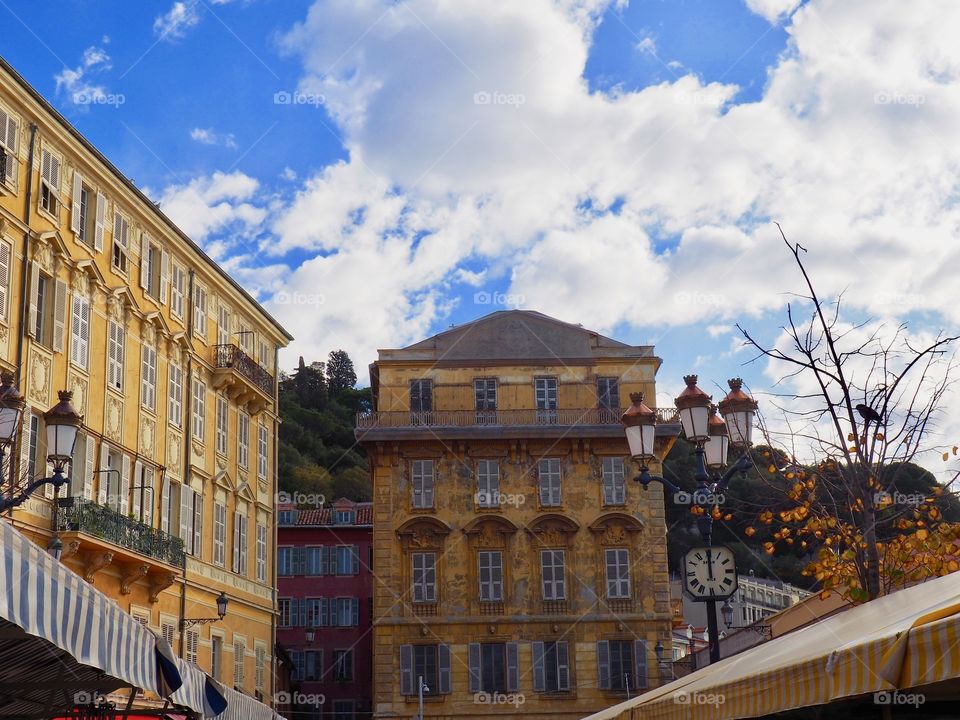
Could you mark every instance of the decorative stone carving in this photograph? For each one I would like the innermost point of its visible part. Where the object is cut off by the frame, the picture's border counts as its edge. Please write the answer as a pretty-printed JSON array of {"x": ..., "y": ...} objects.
[
  {"x": 425, "y": 538},
  {"x": 149, "y": 332},
  {"x": 95, "y": 562},
  {"x": 160, "y": 582},
  {"x": 79, "y": 387},
  {"x": 80, "y": 282},
  {"x": 116, "y": 309},
  {"x": 148, "y": 436},
  {"x": 615, "y": 534},
  {"x": 71, "y": 548},
  {"x": 131, "y": 574},
  {"x": 43, "y": 254},
  {"x": 174, "y": 453},
  {"x": 40, "y": 379},
  {"x": 114, "y": 418}
]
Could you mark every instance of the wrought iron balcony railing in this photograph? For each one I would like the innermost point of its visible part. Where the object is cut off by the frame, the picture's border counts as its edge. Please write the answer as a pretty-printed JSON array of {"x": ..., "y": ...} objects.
[
  {"x": 230, "y": 356},
  {"x": 485, "y": 418},
  {"x": 74, "y": 514}
]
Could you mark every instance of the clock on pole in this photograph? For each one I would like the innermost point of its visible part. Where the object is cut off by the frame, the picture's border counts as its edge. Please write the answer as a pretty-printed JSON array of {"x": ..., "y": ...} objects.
[{"x": 710, "y": 573}]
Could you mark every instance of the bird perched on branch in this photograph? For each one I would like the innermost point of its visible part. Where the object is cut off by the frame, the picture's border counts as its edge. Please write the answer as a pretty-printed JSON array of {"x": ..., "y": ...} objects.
[{"x": 869, "y": 414}]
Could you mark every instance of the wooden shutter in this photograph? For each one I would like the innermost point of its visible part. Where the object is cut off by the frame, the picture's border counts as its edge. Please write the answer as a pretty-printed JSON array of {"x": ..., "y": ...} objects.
[
  {"x": 5, "y": 254},
  {"x": 322, "y": 617},
  {"x": 603, "y": 664},
  {"x": 513, "y": 670},
  {"x": 164, "y": 276},
  {"x": 640, "y": 659},
  {"x": 302, "y": 613},
  {"x": 474, "y": 660},
  {"x": 443, "y": 669},
  {"x": 90, "y": 450},
  {"x": 59, "y": 315},
  {"x": 77, "y": 201},
  {"x": 324, "y": 560},
  {"x": 236, "y": 541},
  {"x": 539, "y": 677},
  {"x": 563, "y": 665},
  {"x": 138, "y": 491},
  {"x": 34, "y": 286},
  {"x": 197, "y": 523},
  {"x": 101, "y": 222},
  {"x": 103, "y": 476},
  {"x": 165, "y": 506},
  {"x": 186, "y": 515},
  {"x": 355, "y": 611},
  {"x": 145, "y": 261},
  {"x": 406, "y": 670},
  {"x": 243, "y": 544},
  {"x": 354, "y": 559},
  {"x": 125, "y": 485}
]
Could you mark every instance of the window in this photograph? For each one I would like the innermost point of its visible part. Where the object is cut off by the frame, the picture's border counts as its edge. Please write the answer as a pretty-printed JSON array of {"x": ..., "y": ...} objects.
[
  {"x": 285, "y": 561},
  {"x": 191, "y": 518},
  {"x": 50, "y": 166},
  {"x": 614, "y": 490},
  {"x": 239, "y": 543},
  {"x": 243, "y": 439},
  {"x": 219, "y": 532},
  {"x": 33, "y": 445},
  {"x": 223, "y": 324},
  {"x": 239, "y": 656},
  {"x": 216, "y": 656},
  {"x": 343, "y": 665},
  {"x": 262, "y": 452},
  {"x": 618, "y": 572},
  {"x": 261, "y": 552},
  {"x": 154, "y": 269},
  {"x": 245, "y": 335},
  {"x": 312, "y": 665},
  {"x": 548, "y": 475},
  {"x": 8, "y": 149},
  {"x": 168, "y": 630},
  {"x": 485, "y": 392},
  {"x": 343, "y": 517},
  {"x": 493, "y": 667},
  {"x": 545, "y": 392},
  {"x": 193, "y": 640},
  {"x": 315, "y": 560},
  {"x": 491, "y": 575},
  {"x": 348, "y": 560},
  {"x": 148, "y": 378},
  {"x": 88, "y": 213},
  {"x": 608, "y": 393},
  {"x": 80, "y": 331},
  {"x": 121, "y": 242},
  {"x": 622, "y": 664},
  {"x": 178, "y": 283},
  {"x": 48, "y": 309},
  {"x": 551, "y": 666},
  {"x": 260, "y": 661},
  {"x": 296, "y": 659},
  {"x": 222, "y": 419},
  {"x": 143, "y": 493},
  {"x": 346, "y": 612},
  {"x": 553, "y": 575},
  {"x": 422, "y": 474},
  {"x": 116, "y": 336},
  {"x": 424, "y": 577},
  {"x": 199, "y": 409},
  {"x": 200, "y": 311},
  {"x": 264, "y": 355},
  {"x": 488, "y": 483},
  {"x": 175, "y": 400},
  {"x": 421, "y": 396},
  {"x": 287, "y": 609},
  {"x": 287, "y": 517},
  {"x": 5, "y": 256},
  {"x": 430, "y": 662},
  {"x": 316, "y": 612}
]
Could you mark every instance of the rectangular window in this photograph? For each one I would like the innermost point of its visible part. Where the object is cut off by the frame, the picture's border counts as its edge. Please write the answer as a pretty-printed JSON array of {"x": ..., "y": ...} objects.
[
  {"x": 421, "y": 472},
  {"x": 239, "y": 661},
  {"x": 175, "y": 411},
  {"x": 551, "y": 666},
  {"x": 608, "y": 393},
  {"x": 285, "y": 561},
  {"x": 199, "y": 410},
  {"x": 50, "y": 166},
  {"x": 261, "y": 552},
  {"x": 152, "y": 271},
  {"x": 346, "y": 612},
  {"x": 618, "y": 573},
  {"x": 243, "y": 439},
  {"x": 219, "y": 532},
  {"x": 87, "y": 216},
  {"x": 312, "y": 669},
  {"x": 493, "y": 667},
  {"x": 9, "y": 127},
  {"x": 425, "y": 666},
  {"x": 288, "y": 612},
  {"x": 193, "y": 642},
  {"x": 614, "y": 489},
  {"x": 148, "y": 378},
  {"x": 548, "y": 478},
  {"x": 178, "y": 283},
  {"x": 33, "y": 446},
  {"x": 622, "y": 672},
  {"x": 343, "y": 517},
  {"x": 315, "y": 612},
  {"x": 264, "y": 355},
  {"x": 314, "y": 561},
  {"x": 262, "y": 452},
  {"x": 343, "y": 665},
  {"x": 430, "y": 662},
  {"x": 5, "y": 257},
  {"x": 222, "y": 420},
  {"x": 545, "y": 392},
  {"x": 553, "y": 574},
  {"x": 80, "y": 331},
  {"x": 223, "y": 324},
  {"x": 239, "y": 543},
  {"x": 42, "y": 310},
  {"x": 143, "y": 493},
  {"x": 348, "y": 560},
  {"x": 200, "y": 311},
  {"x": 424, "y": 577},
  {"x": 121, "y": 242},
  {"x": 116, "y": 337},
  {"x": 491, "y": 575},
  {"x": 488, "y": 483},
  {"x": 216, "y": 656},
  {"x": 485, "y": 395},
  {"x": 421, "y": 396}
]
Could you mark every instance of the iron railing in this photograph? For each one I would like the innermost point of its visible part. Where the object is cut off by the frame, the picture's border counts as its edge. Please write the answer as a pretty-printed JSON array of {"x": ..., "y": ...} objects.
[
  {"x": 483, "y": 418},
  {"x": 230, "y": 356},
  {"x": 76, "y": 514}
]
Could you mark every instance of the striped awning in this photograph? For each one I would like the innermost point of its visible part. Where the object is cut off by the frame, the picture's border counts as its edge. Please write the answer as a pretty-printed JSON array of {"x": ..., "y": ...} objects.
[{"x": 904, "y": 640}]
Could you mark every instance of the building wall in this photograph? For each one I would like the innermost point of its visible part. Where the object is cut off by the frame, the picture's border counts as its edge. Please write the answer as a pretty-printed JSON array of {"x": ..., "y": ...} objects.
[{"x": 133, "y": 427}]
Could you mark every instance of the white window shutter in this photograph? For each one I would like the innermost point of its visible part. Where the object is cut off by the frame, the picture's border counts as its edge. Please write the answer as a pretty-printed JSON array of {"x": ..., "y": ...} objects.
[
  {"x": 236, "y": 542},
  {"x": 138, "y": 491},
  {"x": 197, "y": 523},
  {"x": 104, "y": 477},
  {"x": 186, "y": 515},
  {"x": 75, "y": 207},
  {"x": 164, "y": 276},
  {"x": 165, "y": 506},
  {"x": 34, "y": 283},
  {"x": 125, "y": 485},
  {"x": 145, "y": 261},
  {"x": 59, "y": 315},
  {"x": 4, "y": 278},
  {"x": 101, "y": 222},
  {"x": 90, "y": 450}
]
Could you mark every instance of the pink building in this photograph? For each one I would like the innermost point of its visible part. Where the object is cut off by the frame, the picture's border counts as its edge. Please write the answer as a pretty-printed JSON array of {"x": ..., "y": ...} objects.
[{"x": 325, "y": 588}]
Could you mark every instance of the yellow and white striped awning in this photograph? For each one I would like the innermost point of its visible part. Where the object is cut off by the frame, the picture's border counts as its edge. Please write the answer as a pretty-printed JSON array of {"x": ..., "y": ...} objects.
[{"x": 904, "y": 640}]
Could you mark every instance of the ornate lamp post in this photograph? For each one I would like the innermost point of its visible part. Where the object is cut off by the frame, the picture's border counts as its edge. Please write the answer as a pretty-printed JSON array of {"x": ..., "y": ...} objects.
[
  {"x": 222, "y": 601},
  {"x": 11, "y": 408}
]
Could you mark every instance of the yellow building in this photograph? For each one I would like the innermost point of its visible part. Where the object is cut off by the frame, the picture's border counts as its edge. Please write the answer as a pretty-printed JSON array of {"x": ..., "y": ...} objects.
[
  {"x": 521, "y": 572},
  {"x": 173, "y": 367}
]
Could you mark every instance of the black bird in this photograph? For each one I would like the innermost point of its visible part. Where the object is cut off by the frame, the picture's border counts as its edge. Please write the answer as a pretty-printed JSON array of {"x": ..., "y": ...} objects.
[{"x": 869, "y": 414}]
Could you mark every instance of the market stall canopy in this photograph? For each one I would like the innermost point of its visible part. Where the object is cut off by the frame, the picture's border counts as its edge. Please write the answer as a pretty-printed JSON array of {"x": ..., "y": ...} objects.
[{"x": 907, "y": 639}]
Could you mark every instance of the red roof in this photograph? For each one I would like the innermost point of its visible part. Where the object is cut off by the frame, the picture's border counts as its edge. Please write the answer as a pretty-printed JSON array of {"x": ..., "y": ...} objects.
[{"x": 363, "y": 515}]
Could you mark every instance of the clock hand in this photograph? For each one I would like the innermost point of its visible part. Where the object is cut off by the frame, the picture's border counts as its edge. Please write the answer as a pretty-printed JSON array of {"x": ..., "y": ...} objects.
[{"x": 709, "y": 563}]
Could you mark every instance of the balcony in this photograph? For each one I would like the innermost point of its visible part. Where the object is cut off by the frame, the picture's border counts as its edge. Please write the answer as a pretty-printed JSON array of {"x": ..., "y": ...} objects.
[
  {"x": 523, "y": 423},
  {"x": 246, "y": 382}
]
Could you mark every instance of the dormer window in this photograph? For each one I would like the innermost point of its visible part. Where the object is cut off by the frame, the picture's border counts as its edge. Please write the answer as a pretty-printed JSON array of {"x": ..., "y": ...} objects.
[{"x": 343, "y": 517}]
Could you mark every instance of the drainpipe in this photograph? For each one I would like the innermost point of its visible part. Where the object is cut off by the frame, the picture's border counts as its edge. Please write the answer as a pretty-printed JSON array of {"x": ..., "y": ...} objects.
[
  {"x": 187, "y": 390},
  {"x": 274, "y": 523}
]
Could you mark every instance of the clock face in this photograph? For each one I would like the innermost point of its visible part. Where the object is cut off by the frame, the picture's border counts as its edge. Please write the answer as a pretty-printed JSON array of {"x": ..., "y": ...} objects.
[{"x": 710, "y": 573}]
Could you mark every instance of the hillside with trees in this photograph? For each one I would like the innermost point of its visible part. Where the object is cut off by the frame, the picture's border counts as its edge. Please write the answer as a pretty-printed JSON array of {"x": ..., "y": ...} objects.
[{"x": 318, "y": 452}]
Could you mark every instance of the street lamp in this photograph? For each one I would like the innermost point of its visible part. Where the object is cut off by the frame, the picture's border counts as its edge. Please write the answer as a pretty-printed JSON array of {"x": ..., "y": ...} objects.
[
  {"x": 718, "y": 441},
  {"x": 640, "y": 424},
  {"x": 658, "y": 649},
  {"x": 738, "y": 409},
  {"x": 222, "y": 601},
  {"x": 694, "y": 406},
  {"x": 759, "y": 628},
  {"x": 11, "y": 408},
  {"x": 310, "y": 634}
]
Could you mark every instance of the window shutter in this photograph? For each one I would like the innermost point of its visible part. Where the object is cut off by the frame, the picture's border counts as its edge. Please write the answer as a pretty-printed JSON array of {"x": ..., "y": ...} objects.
[
  {"x": 563, "y": 665},
  {"x": 4, "y": 278},
  {"x": 539, "y": 678},
  {"x": 145, "y": 261},
  {"x": 75, "y": 207},
  {"x": 355, "y": 611},
  {"x": 103, "y": 476},
  {"x": 243, "y": 544},
  {"x": 299, "y": 561},
  {"x": 322, "y": 617},
  {"x": 197, "y": 523},
  {"x": 101, "y": 222},
  {"x": 125, "y": 485},
  {"x": 474, "y": 659},
  {"x": 640, "y": 653},
  {"x": 513, "y": 671},
  {"x": 236, "y": 541},
  {"x": 186, "y": 515},
  {"x": 89, "y": 468},
  {"x": 165, "y": 506},
  {"x": 603, "y": 664},
  {"x": 138, "y": 491},
  {"x": 164, "y": 276},
  {"x": 34, "y": 284},
  {"x": 443, "y": 668},
  {"x": 59, "y": 315},
  {"x": 406, "y": 670},
  {"x": 354, "y": 559}
]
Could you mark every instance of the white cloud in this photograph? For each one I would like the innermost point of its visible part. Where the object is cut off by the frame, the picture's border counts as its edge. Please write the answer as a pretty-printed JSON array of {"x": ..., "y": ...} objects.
[
  {"x": 75, "y": 84},
  {"x": 772, "y": 10},
  {"x": 182, "y": 16},
  {"x": 207, "y": 136}
]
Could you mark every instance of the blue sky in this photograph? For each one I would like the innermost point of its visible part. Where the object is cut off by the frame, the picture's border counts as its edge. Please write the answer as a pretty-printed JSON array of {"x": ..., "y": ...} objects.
[{"x": 378, "y": 170}]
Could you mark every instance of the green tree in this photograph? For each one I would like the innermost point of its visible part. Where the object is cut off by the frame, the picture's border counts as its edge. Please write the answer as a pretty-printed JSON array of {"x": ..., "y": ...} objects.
[{"x": 340, "y": 372}]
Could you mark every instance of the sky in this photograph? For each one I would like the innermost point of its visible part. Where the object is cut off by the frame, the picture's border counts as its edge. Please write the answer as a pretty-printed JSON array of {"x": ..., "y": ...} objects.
[{"x": 375, "y": 171}]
